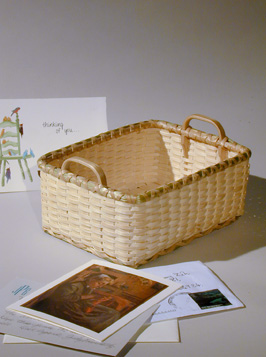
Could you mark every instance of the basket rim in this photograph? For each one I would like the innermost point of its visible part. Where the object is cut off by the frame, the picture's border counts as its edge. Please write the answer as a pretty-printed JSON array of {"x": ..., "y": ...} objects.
[{"x": 43, "y": 163}]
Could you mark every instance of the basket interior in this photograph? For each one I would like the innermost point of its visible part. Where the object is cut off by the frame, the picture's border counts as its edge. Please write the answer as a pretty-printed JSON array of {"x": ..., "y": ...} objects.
[{"x": 144, "y": 160}]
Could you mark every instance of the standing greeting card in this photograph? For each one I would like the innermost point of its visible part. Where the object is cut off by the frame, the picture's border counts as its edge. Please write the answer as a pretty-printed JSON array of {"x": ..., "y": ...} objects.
[{"x": 30, "y": 128}]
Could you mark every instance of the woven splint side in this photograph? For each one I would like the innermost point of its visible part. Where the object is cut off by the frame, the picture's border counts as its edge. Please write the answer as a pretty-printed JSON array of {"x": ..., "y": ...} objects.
[{"x": 132, "y": 234}]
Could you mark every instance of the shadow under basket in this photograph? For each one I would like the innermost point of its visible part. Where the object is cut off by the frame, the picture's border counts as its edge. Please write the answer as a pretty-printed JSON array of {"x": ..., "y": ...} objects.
[{"x": 132, "y": 194}]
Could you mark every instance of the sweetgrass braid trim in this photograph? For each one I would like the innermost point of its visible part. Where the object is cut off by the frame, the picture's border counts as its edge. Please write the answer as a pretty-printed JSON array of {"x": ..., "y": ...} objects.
[{"x": 210, "y": 139}]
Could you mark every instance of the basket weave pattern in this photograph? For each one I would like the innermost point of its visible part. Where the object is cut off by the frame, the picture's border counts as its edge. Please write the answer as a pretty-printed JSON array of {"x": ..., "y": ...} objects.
[{"x": 156, "y": 199}]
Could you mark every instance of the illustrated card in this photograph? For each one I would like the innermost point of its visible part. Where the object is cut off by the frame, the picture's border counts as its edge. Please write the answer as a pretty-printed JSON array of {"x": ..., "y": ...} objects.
[
  {"x": 30, "y": 128},
  {"x": 96, "y": 299},
  {"x": 202, "y": 292},
  {"x": 35, "y": 331}
]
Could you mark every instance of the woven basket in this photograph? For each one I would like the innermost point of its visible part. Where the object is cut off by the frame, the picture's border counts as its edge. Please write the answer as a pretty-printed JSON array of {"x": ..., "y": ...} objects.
[{"x": 132, "y": 194}]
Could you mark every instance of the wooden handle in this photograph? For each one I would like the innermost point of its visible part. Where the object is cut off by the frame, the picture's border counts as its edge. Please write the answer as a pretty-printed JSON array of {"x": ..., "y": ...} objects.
[
  {"x": 97, "y": 170},
  {"x": 208, "y": 120},
  {"x": 222, "y": 136}
]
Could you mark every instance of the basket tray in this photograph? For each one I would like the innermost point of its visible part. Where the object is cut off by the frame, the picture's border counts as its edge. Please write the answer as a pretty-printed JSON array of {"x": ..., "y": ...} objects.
[{"x": 137, "y": 192}]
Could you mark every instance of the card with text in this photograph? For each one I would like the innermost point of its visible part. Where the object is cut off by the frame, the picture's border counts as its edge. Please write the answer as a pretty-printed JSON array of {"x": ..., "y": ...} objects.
[
  {"x": 30, "y": 128},
  {"x": 202, "y": 292}
]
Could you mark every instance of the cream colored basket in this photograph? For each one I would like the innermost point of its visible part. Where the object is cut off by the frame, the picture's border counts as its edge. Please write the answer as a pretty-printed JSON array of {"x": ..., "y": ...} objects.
[{"x": 132, "y": 194}]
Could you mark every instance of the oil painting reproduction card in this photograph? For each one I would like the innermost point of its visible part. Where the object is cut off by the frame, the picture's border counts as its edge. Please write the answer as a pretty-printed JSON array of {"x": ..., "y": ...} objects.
[
  {"x": 30, "y": 128},
  {"x": 96, "y": 299},
  {"x": 23, "y": 329},
  {"x": 201, "y": 292}
]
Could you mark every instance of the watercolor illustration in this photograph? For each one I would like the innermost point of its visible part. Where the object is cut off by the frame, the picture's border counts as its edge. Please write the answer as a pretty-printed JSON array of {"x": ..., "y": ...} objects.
[{"x": 11, "y": 132}]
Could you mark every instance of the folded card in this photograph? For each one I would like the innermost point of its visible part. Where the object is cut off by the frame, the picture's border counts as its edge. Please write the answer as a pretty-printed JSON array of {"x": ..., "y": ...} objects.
[
  {"x": 96, "y": 299},
  {"x": 202, "y": 291},
  {"x": 31, "y": 329},
  {"x": 30, "y": 128}
]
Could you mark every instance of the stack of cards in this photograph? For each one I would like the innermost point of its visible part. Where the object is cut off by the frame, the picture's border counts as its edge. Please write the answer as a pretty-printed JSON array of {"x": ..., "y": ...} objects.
[{"x": 98, "y": 307}]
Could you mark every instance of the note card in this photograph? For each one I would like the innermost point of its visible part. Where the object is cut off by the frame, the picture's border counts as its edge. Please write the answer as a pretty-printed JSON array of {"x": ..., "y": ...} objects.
[
  {"x": 201, "y": 292},
  {"x": 29, "y": 128}
]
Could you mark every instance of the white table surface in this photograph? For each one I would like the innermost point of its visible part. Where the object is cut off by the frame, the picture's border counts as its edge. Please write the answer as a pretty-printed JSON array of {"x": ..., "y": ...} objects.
[{"x": 236, "y": 254}]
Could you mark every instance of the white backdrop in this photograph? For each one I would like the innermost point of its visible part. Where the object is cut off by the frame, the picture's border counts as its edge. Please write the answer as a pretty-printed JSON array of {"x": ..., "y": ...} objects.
[{"x": 160, "y": 59}]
